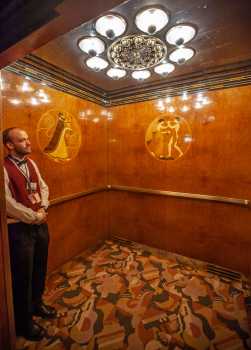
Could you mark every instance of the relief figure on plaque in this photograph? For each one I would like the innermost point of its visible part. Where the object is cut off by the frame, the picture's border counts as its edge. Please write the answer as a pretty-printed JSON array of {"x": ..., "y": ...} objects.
[
  {"x": 57, "y": 147},
  {"x": 165, "y": 137},
  {"x": 59, "y": 135}
]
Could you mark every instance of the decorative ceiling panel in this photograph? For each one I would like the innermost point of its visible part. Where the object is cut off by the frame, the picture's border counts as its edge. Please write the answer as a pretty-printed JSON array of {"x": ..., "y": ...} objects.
[{"x": 222, "y": 39}]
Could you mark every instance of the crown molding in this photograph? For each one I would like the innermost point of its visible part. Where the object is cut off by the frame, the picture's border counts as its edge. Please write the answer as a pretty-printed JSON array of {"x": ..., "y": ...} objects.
[
  {"x": 223, "y": 77},
  {"x": 40, "y": 70}
]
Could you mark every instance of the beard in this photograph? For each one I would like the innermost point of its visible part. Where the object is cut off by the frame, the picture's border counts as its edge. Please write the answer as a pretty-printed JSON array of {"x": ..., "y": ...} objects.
[{"x": 21, "y": 152}]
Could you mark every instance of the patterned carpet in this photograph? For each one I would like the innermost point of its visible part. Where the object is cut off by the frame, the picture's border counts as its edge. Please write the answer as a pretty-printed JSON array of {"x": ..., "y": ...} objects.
[{"x": 135, "y": 297}]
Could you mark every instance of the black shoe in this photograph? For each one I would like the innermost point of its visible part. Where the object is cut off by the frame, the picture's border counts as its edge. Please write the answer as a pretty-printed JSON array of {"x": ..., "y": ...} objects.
[
  {"x": 44, "y": 311},
  {"x": 34, "y": 332}
]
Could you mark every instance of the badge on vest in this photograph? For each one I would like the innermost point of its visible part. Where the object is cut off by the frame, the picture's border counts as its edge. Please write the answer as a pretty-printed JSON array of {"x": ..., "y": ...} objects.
[
  {"x": 34, "y": 198},
  {"x": 33, "y": 186}
]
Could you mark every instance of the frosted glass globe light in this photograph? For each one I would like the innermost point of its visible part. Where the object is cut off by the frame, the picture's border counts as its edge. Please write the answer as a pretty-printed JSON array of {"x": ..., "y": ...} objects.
[
  {"x": 152, "y": 20},
  {"x": 180, "y": 34},
  {"x": 141, "y": 74},
  {"x": 92, "y": 46},
  {"x": 164, "y": 68},
  {"x": 181, "y": 55},
  {"x": 110, "y": 26},
  {"x": 96, "y": 63},
  {"x": 116, "y": 73}
]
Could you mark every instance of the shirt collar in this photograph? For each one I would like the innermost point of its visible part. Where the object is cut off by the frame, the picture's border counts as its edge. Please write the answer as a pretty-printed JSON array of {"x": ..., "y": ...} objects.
[{"x": 18, "y": 161}]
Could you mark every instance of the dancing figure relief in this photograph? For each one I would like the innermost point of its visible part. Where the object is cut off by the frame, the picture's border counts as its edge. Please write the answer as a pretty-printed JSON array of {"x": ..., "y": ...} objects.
[
  {"x": 165, "y": 138},
  {"x": 59, "y": 135}
]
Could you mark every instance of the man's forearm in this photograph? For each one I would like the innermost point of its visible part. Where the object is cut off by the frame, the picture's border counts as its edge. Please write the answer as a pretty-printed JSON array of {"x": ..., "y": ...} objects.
[{"x": 20, "y": 212}]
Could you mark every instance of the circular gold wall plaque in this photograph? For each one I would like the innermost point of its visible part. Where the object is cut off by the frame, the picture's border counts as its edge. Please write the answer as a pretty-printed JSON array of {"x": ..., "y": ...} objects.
[
  {"x": 168, "y": 137},
  {"x": 59, "y": 135}
]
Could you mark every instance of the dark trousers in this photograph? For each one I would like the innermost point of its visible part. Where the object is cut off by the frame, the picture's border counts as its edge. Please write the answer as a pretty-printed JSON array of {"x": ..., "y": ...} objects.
[{"x": 28, "y": 256}]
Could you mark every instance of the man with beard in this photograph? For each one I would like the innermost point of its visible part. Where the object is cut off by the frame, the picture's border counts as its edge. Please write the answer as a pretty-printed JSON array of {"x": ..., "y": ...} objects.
[{"x": 26, "y": 204}]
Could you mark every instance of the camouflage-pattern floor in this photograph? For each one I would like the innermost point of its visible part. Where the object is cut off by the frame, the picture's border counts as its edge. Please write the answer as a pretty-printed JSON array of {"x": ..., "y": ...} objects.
[{"x": 137, "y": 298}]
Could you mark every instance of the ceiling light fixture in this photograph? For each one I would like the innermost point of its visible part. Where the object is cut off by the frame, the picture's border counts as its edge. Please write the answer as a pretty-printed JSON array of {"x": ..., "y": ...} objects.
[
  {"x": 181, "y": 55},
  {"x": 141, "y": 74},
  {"x": 137, "y": 52},
  {"x": 116, "y": 73},
  {"x": 116, "y": 51},
  {"x": 151, "y": 20},
  {"x": 110, "y": 26},
  {"x": 93, "y": 46},
  {"x": 164, "y": 69},
  {"x": 97, "y": 63},
  {"x": 180, "y": 34}
]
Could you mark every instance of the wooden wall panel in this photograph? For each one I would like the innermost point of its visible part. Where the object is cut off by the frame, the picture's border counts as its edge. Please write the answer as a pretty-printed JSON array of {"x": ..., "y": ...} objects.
[
  {"x": 84, "y": 225},
  {"x": 7, "y": 332},
  {"x": 217, "y": 160},
  {"x": 79, "y": 173},
  {"x": 86, "y": 171},
  {"x": 217, "y": 163},
  {"x": 211, "y": 232}
]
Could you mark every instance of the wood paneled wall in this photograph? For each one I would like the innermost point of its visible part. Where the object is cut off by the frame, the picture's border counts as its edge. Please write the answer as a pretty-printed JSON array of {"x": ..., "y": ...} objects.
[
  {"x": 7, "y": 336},
  {"x": 217, "y": 163},
  {"x": 79, "y": 223},
  {"x": 82, "y": 225}
]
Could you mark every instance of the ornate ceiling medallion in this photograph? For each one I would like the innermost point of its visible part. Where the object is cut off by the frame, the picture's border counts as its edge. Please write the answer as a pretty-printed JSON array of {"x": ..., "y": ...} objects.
[{"x": 137, "y": 52}]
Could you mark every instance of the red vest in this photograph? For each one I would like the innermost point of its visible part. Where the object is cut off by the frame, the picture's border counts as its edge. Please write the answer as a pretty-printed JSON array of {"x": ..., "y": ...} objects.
[{"x": 18, "y": 183}]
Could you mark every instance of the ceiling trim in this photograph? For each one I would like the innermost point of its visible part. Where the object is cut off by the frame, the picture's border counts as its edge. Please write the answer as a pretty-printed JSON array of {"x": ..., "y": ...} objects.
[
  {"x": 226, "y": 77},
  {"x": 220, "y": 78},
  {"x": 40, "y": 70}
]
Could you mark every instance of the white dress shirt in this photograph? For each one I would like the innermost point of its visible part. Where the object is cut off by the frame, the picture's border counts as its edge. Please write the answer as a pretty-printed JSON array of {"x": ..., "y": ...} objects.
[{"x": 16, "y": 211}]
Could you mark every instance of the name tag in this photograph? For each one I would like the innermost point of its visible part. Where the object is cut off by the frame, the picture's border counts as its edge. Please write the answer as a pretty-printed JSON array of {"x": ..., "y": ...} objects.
[
  {"x": 34, "y": 198},
  {"x": 33, "y": 186}
]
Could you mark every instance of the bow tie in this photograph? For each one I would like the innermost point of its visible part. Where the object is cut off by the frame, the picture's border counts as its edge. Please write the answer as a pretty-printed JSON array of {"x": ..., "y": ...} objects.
[{"x": 22, "y": 162}]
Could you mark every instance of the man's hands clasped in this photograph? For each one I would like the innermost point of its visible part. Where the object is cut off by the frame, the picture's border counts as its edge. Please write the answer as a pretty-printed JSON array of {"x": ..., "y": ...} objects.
[{"x": 41, "y": 216}]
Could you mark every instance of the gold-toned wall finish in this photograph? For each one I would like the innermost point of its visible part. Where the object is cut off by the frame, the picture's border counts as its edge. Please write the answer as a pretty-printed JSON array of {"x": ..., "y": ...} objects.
[
  {"x": 217, "y": 163},
  {"x": 82, "y": 224},
  {"x": 86, "y": 171},
  {"x": 7, "y": 331}
]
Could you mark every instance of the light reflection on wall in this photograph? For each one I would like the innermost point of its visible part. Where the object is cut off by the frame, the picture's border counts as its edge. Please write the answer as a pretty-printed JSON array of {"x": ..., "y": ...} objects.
[
  {"x": 25, "y": 93},
  {"x": 91, "y": 113},
  {"x": 186, "y": 103}
]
